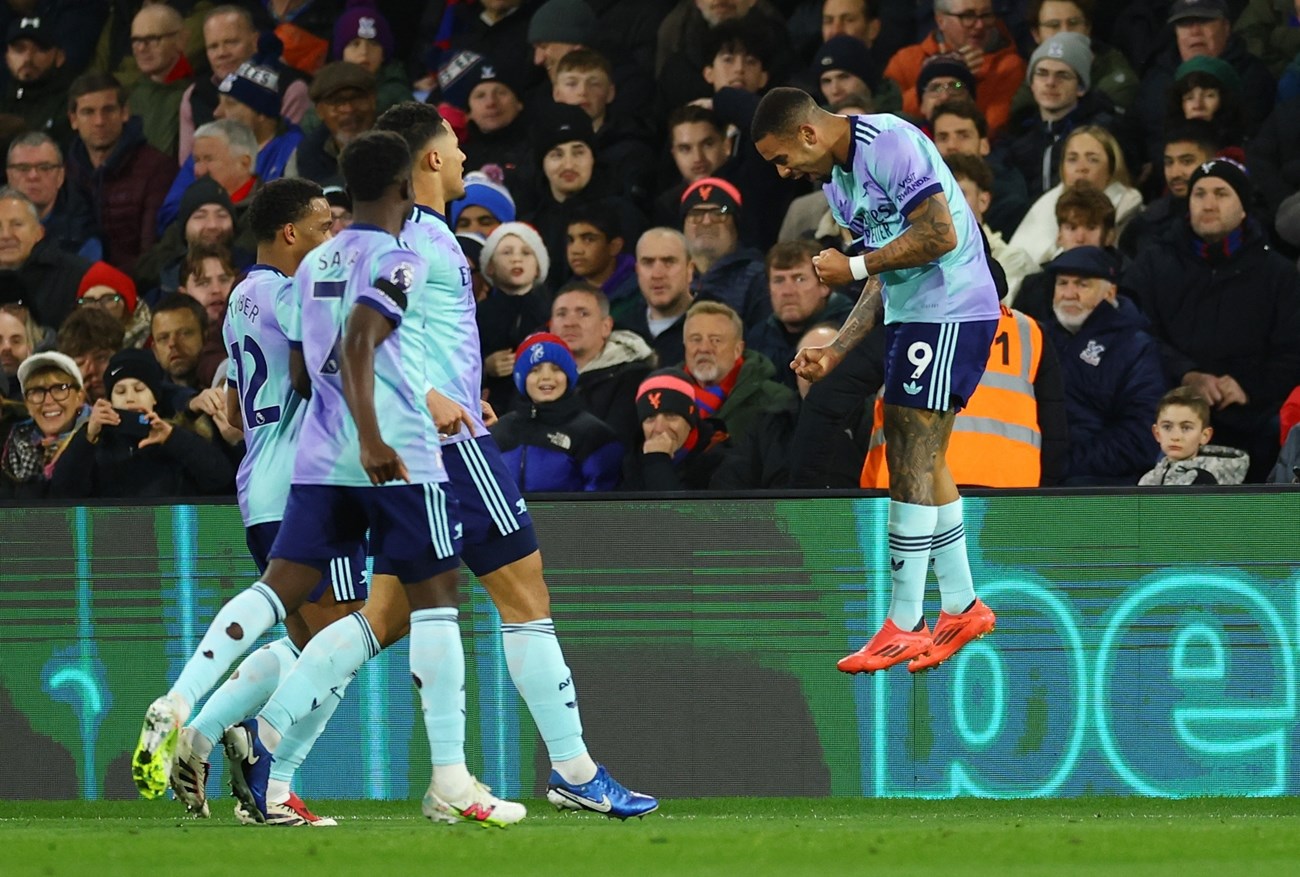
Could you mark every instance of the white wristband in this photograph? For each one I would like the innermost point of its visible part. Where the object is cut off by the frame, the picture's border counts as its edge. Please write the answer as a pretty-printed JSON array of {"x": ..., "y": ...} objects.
[{"x": 858, "y": 267}]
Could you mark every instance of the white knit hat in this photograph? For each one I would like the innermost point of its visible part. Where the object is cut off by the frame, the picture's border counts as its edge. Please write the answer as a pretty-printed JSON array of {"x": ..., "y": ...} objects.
[{"x": 525, "y": 233}]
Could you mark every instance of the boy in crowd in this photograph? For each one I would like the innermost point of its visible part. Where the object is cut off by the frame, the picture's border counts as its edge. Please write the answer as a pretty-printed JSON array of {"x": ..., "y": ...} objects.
[{"x": 1183, "y": 430}]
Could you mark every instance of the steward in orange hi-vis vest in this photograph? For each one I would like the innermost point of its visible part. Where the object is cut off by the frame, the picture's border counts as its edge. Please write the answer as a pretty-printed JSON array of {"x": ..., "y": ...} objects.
[{"x": 995, "y": 439}]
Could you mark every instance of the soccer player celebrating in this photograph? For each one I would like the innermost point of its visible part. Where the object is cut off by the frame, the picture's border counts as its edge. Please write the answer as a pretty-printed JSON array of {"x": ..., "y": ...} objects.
[
  {"x": 369, "y": 459},
  {"x": 289, "y": 217},
  {"x": 923, "y": 256},
  {"x": 500, "y": 545}
]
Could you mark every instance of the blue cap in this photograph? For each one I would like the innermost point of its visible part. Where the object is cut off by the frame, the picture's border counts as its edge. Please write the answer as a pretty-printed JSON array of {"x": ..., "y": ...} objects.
[{"x": 1085, "y": 262}]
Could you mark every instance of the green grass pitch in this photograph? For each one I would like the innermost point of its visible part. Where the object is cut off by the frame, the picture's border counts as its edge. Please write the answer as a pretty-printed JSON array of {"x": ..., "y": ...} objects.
[{"x": 1106, "y": 837}]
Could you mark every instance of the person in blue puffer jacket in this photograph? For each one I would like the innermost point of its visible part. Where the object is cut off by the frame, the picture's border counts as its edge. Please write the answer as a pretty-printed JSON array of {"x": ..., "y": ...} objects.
[{"x": 554, "y": 444}]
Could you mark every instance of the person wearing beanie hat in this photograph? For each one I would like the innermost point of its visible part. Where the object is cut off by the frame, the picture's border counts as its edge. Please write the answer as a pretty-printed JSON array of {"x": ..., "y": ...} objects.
[
  {"x": 106, "y": 287},
  {"x": 204, "y": 191},
  {"x": 709, "y": 193},
  {"x": 486, "y": 205},
  {"x": 128, "y": 450},
  {"x": 1208, "y": 89},
  {"x": 363, "y": 36},
  {"x": 557, "y": 28},
  {"x": 844, "y": 66},
  {"x": 725, "y": 270},
  {"x": 554, "y": 444},
  {"x": 515, "y": 261},
  {"x": 680, "y": 449},
  {"x": 50, "y": 385},
  {"x": 943, "y": 78},
  {"x": 1066, "y": 51},
  {"x": 251, "y": 95},
  {"x": 1224, "y": 307},
  {"x": 565, "y": 123},
  {"x": 497, "y": 133}
]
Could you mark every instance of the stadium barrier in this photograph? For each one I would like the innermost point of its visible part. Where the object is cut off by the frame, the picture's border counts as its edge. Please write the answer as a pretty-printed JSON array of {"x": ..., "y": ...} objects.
[{"x": 1146, "y": 644}]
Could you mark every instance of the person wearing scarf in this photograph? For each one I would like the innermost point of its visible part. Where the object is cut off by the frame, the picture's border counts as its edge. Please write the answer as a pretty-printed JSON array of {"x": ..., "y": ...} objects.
[
  {"x": 681, "y": 447},
  {"x": 55, "y": 399}
]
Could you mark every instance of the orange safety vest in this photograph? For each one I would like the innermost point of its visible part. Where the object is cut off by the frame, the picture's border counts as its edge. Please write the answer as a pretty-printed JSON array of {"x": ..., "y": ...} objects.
[{"x": 995, "y": 438}]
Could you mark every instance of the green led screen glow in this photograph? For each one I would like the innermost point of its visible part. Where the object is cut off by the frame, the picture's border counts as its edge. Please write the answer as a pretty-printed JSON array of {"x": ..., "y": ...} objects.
[{"x": 1146, "y": 644}]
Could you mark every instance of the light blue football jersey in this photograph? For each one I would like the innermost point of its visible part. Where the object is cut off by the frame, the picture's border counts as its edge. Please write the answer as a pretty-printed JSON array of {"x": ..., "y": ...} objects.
[
  {"x": 260, "y": 306},
  {"x": 454, "y": 356},
  {"x": 891, "y": 168},
  {"x": 365, "y": 266}
]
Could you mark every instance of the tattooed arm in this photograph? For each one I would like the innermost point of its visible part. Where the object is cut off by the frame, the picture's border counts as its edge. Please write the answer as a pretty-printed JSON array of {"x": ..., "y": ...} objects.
[
  {"x": 930, "y": 234},
  {"x": 814, "y": 363}
]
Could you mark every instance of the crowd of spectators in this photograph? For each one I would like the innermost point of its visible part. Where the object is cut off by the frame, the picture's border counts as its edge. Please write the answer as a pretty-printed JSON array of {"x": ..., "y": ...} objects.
[{"x": 643, "y": 277}]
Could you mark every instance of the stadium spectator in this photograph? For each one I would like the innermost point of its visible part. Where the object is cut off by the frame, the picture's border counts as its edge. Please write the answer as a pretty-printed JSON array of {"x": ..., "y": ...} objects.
[
  {"x": 724, "y": 270},
  {"x": 1063, "y": 99},
  {"x": 1226, "y": 311},
  {"x": 111, "y": 290},
  {"x": 700, "y": 146},
  {"x": 1183, "y": 430},
  {"x": 684, "y": 48},
  {"x": 738, "y": 56},
  {"x": 304, "y": 28},
  {"x": 230, "y": 38},
  {"x": 497, "y": 31},
  {"x": 340, "y": 203},
  {"x": 250, "y": 95},
  {"x": 1188, "y": 145},
  {"x": 1201, "y": 28},
  {"x": 680, "y": 448},
  {"x": 1110, "y": 368},
  {"x": 35, "y": 168},
  {"x": 943, "y": 77},
  {"x": 205, "y": 215},
  {"x": 33, "y": 270},
  {"x": 179, "y": 327},
  {"x": 561, "y": 27},
  {"x": 958, "y": 127},
  {"x": 225, "y": 150},
  {"x": 1268, "y": 27},
  {"x": 514, "y": 261},
  {"x": 115, "y": 170},
  {"x": 17, "y": 341},
  {"x": 130, "y": 448},
  {"x": 1091, "y": 156},
  {"x": 363, "y": 36},
  {"x": 595, "y": 253},
  {"x": 611, "y": 363},
  {"x": 1084, "y": 218},
  {"x": 497, "y": 133},
  {"x": 1110, "y": 73},
  {"x": 972, "y": 30},
  {"x": 207, "y": 276},
  {"x": 77, "y": 23},
  {"x": 843, "y": 66},
  {"x": 1208, "y": 89},
  {"x": 663, "y": 274},
  {"x": 55, "y": 406},
  {"x": 1287, "y": 468},
  {"x": 90, "y": 336},
  {"x": 347, "y": 103},
  {"x": 800, "y": 300},
  {"x": 38, "y": 76},
  {"x": 975, "y": 178},
  {"x": 486, "y": 205},
  {"x": 554, "y": 444},
  {"x": 735, "y": 385},
  {"x": 1273, "y": 158},
  {"x": 158, "y": 46}
]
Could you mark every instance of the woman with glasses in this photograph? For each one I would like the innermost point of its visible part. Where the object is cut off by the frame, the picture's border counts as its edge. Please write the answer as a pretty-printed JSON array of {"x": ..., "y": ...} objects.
[
  {"x": 55, "y": 406},
  {"x": 106, "y": 287}
]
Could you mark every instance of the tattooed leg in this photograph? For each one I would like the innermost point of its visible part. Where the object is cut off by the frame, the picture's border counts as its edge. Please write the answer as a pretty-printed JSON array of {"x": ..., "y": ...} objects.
[{"x": 916, "y": 446}]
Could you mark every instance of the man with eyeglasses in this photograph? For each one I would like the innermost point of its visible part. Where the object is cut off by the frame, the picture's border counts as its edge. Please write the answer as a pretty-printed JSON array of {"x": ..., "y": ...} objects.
[
  {"x": 347, "y": 100},
  {"x": 944, "y": 77},
  {"x": 158, "y": 46},
  {"x": 36, "y": 270},
  {"x": 38, "y": 76},
  {"x": 724, "y": 270},
  {"x": 971, "y": 30},
  {"x": 1111, "y": 74},
  {"x": 1059, "y": 78},
  {"x": 35, "y": 167}
]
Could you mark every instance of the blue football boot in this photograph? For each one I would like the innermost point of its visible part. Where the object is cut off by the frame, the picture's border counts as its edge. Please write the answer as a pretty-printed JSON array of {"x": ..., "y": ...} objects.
[
  {"x": 603, "y": 794},
  {"x": 250, "y": 767}
]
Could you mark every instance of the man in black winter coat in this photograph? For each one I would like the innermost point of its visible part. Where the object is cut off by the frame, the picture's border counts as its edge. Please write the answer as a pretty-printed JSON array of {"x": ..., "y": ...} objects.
[
  {"x": 1226, "y": 311},
  {"x": 1110, "y": 368},
  {"x": 45, "y": 277}
]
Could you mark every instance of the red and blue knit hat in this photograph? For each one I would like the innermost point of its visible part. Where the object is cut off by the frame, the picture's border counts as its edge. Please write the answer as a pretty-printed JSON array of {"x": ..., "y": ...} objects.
[
  {"x": 668, "y": 391},
  {"x": 543, "y": 347}
]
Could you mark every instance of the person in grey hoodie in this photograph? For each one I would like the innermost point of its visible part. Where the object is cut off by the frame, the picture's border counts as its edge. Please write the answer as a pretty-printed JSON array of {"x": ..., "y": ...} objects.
[{"x": 1183, "y": 430}]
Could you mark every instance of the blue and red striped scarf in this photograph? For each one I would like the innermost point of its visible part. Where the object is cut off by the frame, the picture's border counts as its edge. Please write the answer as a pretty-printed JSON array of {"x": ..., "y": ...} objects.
[{"x": 711, "y": 397}]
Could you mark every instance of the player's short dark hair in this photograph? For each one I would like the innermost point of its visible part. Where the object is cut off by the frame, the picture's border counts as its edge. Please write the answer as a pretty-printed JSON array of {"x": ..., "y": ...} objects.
[
  {"x": 1185, "y": 396},
  {"x": 1202, "y": 132},
  {"x": 791, "y": 254},
  {"x": 1086, "y": 205},
  {"x": 279, "y": 203},
  {"x": 600, "y": 214},
  {"x": 692, "y": 113},
  {"x": 780, "y": 112},
  {"x": 963, "y": 109},
  {"x": 179, "y": 301},
  {"x": 416, "y": 123},
  {"x": 89, "y": 329},
  {"x": 374, "y": 162},
  {"x": 740, "y": 36},
  {"x": 973, "y": 168},
  {"x": 91, "y": 82}
]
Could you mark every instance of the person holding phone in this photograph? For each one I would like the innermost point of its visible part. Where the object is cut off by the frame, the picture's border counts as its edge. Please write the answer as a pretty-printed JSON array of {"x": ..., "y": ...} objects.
[{"x": 127, "y": 447}]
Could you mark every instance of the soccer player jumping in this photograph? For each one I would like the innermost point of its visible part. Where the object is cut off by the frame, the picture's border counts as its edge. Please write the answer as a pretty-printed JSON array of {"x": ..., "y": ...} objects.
[{"x": 923, "y": 256}]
